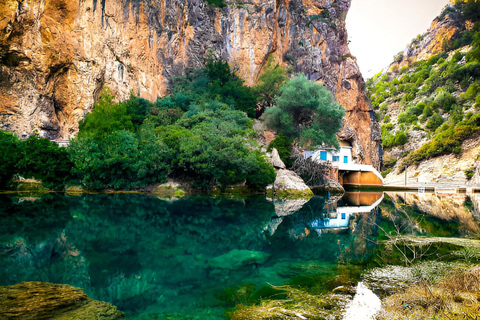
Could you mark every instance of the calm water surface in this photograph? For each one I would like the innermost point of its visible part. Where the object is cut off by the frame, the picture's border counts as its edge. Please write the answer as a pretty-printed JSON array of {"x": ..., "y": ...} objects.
[{"x": 165, "y": 259}]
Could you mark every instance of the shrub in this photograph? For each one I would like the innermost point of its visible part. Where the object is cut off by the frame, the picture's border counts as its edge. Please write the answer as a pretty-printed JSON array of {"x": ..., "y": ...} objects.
[
  {"x": 284, "y": 148},
  {"x": 217, "y": 3},
  {"x": 435, "y": 121},
  {"x": 10, "y": 150},
  {"x": 44, "y": 160}
]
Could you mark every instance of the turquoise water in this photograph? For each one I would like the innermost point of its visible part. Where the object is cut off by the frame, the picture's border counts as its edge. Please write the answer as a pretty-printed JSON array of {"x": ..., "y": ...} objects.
[{"x": 187, "y": 258}]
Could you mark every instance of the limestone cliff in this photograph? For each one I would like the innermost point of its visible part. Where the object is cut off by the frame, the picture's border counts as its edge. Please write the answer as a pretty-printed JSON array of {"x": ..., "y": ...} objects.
[
  {"x": 426, "y": 97},
  {"x": 56, "y": 55}
]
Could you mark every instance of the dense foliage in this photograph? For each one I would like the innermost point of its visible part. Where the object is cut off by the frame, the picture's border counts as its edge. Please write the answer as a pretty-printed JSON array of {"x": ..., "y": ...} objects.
[
  {"x": 201, "y": 133},
  {"x": 439, "y": 96},
  {"x": 35, "y": 157},
  {"x": 269, "y": 84},
  {"x": 306, "y": 111},
  {"x": 216, "y": 82}
]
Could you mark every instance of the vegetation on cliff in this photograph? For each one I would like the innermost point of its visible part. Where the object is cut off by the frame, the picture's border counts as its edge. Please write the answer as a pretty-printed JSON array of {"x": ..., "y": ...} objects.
[{"x": 436, "y": 99}]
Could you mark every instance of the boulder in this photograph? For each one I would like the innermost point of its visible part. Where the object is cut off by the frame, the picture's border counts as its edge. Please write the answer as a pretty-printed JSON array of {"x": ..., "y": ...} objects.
[
  {"x": 289, "y": 185},
  {"x": 332, "y": 186},
  {"x": 276, "y": 161},
  {"x": 286, "y": 207}
]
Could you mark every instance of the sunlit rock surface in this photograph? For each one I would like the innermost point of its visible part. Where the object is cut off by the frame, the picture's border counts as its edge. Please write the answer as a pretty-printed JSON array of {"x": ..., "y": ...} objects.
[{"x": 56, "y": 55}]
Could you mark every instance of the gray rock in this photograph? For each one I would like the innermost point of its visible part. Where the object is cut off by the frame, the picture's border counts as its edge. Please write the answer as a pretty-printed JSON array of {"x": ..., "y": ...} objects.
[
  {"x": 288, "y": 184},
  {"x": 276, "y": 161}
]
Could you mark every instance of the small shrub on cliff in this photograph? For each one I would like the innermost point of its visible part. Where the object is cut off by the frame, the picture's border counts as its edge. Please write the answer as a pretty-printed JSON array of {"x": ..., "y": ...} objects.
[{"x": 217, "y": 3}]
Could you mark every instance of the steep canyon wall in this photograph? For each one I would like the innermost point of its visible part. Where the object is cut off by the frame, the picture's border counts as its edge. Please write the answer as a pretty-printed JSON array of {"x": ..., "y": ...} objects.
[{"x": 57, "y": 55}]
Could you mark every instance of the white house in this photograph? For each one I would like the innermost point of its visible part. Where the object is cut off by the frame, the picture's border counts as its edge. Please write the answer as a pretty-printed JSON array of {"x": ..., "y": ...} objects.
[{"x": 349, "y": 171}]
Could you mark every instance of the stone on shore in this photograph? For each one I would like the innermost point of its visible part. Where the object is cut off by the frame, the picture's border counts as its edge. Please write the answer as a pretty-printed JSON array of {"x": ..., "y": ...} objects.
[
  {"x": 289, "y": 185},
  {"x": 276, "y": 161}
]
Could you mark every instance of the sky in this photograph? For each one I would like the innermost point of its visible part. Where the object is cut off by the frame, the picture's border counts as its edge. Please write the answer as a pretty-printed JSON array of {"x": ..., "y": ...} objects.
[{"x": 379, "y": 29}]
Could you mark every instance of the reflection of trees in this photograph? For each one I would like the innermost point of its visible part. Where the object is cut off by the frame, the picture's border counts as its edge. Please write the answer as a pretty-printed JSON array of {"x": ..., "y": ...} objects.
[
  {"x": 435, "y": 214},
  {"x": 127, "y": 249}
]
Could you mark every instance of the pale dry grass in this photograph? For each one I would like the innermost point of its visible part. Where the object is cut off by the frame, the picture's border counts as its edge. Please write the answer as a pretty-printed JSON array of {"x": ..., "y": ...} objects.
[{"x": 455, "y": 297}]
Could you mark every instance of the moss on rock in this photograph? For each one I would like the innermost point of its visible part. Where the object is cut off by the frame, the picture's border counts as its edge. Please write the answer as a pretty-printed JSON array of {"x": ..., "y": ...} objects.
[
  {"x": 290, "y": 194},
  {"x": 41, "y": 300}
]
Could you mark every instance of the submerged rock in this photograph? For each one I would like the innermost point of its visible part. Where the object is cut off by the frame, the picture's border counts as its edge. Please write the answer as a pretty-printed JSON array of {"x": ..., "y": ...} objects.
[
  {"x": 235, "y": 259},
  {"x": 42, "y": 300}
]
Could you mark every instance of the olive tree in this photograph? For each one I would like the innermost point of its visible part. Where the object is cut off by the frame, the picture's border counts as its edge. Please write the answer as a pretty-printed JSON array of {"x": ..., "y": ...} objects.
[{"x": 305, "y": 111}]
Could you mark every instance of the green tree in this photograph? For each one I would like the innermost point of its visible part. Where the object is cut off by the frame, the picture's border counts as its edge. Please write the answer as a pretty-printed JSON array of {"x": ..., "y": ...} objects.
[
  {"x": 306, "y": 111},
  {"x": 209, "y": 145},
  {"x": 9, "y": 156},
  {"x": 106, "y": 117},
  {"x": 44, "y": 160},
  {"x": 122, "y": 160},
  {"x": 217, "y": 81},
  {"x": 268, "y": 85}
]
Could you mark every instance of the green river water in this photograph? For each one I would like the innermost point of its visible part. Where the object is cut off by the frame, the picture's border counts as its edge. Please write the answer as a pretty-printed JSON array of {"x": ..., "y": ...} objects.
[{"x": 189, "y": 258}]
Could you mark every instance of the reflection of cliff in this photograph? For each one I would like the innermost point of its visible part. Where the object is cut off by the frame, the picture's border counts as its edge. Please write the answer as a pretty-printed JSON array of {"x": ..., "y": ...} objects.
[
  {"x": 56, "y": 55},
  {"x": 450, "y": 210}
]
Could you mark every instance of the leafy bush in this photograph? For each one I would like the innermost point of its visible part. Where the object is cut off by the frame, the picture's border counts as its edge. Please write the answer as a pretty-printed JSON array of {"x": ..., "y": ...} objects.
[
  {"x": 217, "y": 3},
  {"x": 217, "y": 81},
  {"x": 406, "y": 117},
  {"x": 122, "y": 160},
  {"x": 435, "y": 121},
  {"x": 269, "y": 84},
  {"x": 106, "y": 118},
  {"x": 35, "y": 157},
  {"x": 445, "y": 101},
  {"x": 284, "y": 148},
  {"x": 399, "y": 139},
  {"x": 10, "y": 150}
]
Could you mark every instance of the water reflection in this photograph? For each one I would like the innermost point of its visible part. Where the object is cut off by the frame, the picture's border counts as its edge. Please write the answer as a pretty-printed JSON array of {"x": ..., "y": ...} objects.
[{"x": 158, "y": 257}]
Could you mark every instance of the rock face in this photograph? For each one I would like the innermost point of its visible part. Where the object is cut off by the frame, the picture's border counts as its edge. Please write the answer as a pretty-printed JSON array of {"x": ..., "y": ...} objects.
[
  {"x": 40, "y": 300},
  {"x": 447, "y": 169},
  {"x": 56, "y": 55}
]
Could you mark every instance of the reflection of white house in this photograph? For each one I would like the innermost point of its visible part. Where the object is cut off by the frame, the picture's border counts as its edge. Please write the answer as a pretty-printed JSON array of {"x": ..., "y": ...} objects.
[
  {"x": 340, "y": 219},
  {"x": 349, "y": 172}
]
